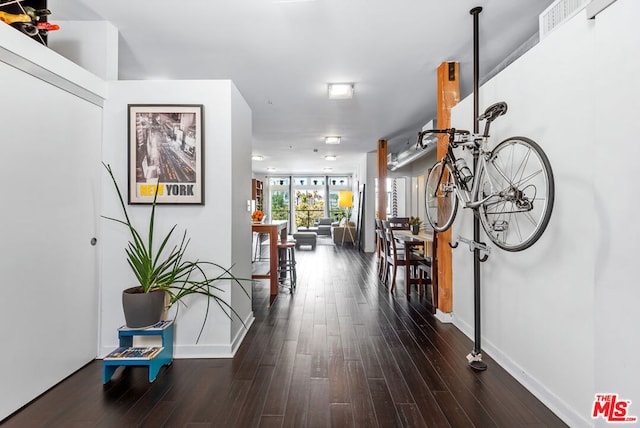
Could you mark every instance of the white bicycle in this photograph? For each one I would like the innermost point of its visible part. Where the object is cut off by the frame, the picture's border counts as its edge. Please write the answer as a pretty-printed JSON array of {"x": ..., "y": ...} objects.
[{"x": 512, "y": 190}]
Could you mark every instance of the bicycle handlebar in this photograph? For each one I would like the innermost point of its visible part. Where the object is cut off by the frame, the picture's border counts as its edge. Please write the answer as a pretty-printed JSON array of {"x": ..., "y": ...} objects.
[
  {"x": 451, "y": 132},
  {"x": 490, "y": 114}
]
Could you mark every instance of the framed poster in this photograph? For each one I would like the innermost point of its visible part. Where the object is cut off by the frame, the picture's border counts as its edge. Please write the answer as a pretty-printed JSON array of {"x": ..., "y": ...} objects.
[{"x": 166, "y": 153}]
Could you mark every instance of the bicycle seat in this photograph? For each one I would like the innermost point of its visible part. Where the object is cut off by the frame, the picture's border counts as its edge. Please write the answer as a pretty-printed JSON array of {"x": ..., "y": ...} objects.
[{"x": 493, "y": 111}]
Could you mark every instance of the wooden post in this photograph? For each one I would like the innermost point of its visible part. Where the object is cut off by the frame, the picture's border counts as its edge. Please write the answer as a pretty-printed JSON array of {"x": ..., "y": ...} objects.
[
  {"x": 448, "y": 96},
  {"x": 382, "y": 179}
]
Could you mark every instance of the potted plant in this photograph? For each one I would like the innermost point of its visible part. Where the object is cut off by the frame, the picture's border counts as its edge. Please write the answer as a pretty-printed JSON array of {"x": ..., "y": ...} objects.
[
  {"x": 414, "y": 224},
  {"x": 164, "y": 274}
]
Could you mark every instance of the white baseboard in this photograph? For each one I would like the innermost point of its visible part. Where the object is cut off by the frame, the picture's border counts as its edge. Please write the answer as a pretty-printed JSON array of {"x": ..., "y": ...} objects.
[
  {"x": 215, "y": 351},
  {"x": 237, "y": 341},
  {"x": 548, "y": 398},
  {"x": 202, "y": 351},
  {"x": 444, "y": 317},
  {"x": 190, "y": 351}
]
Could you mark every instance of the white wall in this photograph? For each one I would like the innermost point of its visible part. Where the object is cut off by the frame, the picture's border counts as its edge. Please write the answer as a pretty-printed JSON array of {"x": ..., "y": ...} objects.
[
  {"x": 414, "y": 174},
  {"x": 241, "y": 236},
  {"x": 93, "y": 45},
  {"x": 419, "y": 170},
  {"x": 213, "y": 227},
  {"x": 616, "y": 156},
  {"x": 560, "y": 315},
  {"x": 50, "y": 152}
]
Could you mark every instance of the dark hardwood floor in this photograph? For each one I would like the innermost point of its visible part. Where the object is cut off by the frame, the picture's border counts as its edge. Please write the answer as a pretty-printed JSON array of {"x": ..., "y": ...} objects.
[{"x": 341, "y": 351}]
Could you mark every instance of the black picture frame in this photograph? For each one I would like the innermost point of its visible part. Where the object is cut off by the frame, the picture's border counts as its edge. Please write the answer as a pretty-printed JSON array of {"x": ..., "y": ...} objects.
[{"x": 166, "y": 152}]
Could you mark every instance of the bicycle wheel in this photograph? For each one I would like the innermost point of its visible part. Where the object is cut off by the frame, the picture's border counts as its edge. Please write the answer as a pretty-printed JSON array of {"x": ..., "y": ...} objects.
[
  {"x": 519, "y": 176},
  {"x": 440, "y": 198}
]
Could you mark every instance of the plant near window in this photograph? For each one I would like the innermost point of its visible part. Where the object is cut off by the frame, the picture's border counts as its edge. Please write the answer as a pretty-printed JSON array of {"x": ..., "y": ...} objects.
[{"x": 166, "y": 268}]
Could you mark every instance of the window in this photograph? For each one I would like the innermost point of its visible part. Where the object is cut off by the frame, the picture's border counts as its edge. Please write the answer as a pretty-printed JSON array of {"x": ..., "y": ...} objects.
[
  {"x": 302, "y": 199},
  {"x": 279, "y": 198},
  {"x": 309, "y": 206}
]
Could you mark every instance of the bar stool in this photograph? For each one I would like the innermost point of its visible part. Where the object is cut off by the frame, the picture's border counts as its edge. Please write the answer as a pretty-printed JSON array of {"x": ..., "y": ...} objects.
[
  {"x": 258, "y": 244},
  {"x": 287, "y": 264}
]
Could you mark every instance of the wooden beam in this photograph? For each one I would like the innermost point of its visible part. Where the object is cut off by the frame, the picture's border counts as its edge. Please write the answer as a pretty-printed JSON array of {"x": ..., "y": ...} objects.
[
  {"x": 448, "y": 96},
  {"x": 382, "y": 179}
]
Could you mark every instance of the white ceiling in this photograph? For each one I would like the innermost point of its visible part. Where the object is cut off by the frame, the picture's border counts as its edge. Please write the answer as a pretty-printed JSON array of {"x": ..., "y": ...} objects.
[{"x": 281, "y": 54}]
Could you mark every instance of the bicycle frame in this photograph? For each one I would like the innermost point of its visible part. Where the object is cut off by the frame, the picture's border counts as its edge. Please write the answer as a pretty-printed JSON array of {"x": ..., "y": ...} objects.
[{"x": 468, "y": 197}]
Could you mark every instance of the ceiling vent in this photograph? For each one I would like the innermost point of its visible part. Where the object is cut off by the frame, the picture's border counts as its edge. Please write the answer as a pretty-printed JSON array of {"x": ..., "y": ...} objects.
[
  {"x": 557, "y": 13},
  {"x": 421, "y": 148}
]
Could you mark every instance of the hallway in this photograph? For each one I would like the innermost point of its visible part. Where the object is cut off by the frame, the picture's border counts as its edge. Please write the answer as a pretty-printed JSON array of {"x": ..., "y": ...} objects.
[{"x": 341, "y": 351}]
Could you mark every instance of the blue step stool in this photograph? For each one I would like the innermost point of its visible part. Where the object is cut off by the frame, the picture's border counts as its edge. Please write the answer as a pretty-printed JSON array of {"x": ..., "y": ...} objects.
[{"x": 164, "y": 329}]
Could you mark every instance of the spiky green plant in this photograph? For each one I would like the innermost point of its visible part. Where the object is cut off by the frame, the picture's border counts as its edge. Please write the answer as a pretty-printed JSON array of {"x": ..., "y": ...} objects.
[
  {"x": 415, "y": 221},
  {"x": 167, "y": 269}
]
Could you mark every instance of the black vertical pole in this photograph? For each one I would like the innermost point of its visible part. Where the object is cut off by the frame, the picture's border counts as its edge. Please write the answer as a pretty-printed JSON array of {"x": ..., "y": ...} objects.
[{"x": 476, "y": 356}]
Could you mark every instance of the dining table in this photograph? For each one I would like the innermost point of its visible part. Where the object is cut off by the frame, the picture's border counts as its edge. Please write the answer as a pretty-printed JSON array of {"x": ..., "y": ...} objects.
[
  {"x": 276, "y": 230},
  {"x": 410, "y": 241}
]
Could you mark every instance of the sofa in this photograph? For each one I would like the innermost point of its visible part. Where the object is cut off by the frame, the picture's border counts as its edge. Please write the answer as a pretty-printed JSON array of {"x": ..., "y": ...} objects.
[
  {"x": 342, "y": 230},
  {"x": 323, "y": 225}
]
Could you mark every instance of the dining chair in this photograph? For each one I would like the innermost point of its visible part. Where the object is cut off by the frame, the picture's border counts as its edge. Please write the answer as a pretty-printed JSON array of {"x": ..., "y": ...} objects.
[
  {"x": 386, "y": 251},
  {"x": 383, "y": 262},
  {"x": 399, "y": 223},
  {"x": 378, "y": 227},
  {"x": 428, "y": 273},
  {"x": 379, "y": 249},
  {"x": 395, "y": 256}
]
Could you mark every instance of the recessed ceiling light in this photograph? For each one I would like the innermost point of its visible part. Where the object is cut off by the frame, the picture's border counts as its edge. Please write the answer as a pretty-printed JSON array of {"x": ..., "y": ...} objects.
[
  {"x": 332, "y": 140},
  {"x": 271, "y": 169},
  {"x": 340, "y": 91},
  {"x": 330, "y": 157},
  {"x": 257, "y": 157}
]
